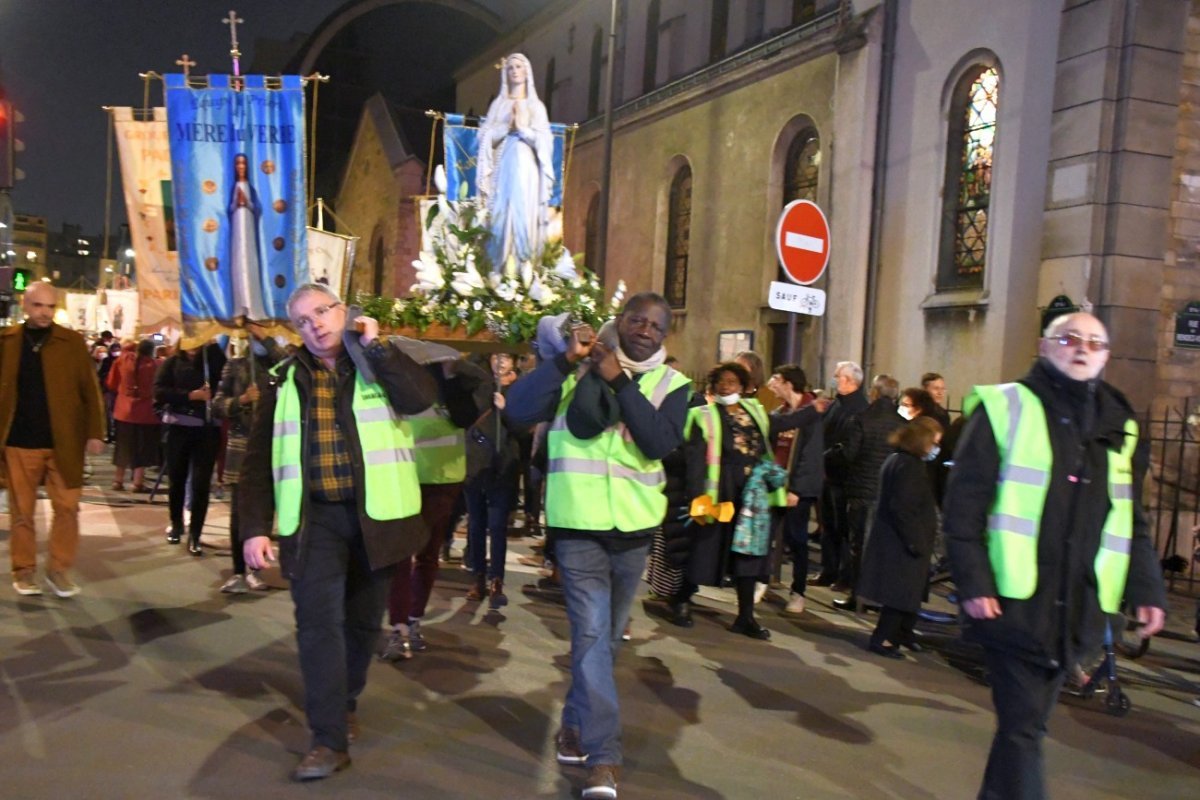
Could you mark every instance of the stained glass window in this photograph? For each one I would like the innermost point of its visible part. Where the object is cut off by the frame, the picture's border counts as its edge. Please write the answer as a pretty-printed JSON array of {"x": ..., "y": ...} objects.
[
  {"x": 679, "y": 228},
  {"x": 968, "y": 186},
  {"x": 801, "y": 167}
]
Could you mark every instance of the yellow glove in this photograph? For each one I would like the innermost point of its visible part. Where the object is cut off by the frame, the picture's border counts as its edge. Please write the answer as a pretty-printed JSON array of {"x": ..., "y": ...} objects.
[{"x": 704, "y": 510}]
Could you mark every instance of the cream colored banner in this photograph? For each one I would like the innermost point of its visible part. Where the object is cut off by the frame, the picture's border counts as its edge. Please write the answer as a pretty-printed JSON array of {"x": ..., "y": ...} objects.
[
  {"x": 146, "y": 176},
  {"x": 330, "y": 256},
  {"x": 81, "y": 311}
]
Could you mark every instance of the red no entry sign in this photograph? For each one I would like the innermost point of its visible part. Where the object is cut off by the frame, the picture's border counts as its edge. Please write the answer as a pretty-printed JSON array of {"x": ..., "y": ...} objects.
[{"x": 802, "y": 241}]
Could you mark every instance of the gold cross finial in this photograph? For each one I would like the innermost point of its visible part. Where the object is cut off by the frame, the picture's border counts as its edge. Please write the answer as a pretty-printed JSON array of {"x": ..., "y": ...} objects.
[{"x": 186, "y": 63}]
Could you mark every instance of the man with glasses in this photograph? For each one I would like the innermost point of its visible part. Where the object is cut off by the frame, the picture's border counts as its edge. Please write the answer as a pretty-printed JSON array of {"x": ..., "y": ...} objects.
[
  {"x": 330, "y": 455},
  {"x": 1046, "y": 534}
]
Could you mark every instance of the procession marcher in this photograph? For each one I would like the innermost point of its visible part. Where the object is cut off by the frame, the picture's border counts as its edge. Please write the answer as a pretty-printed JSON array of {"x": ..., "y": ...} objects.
[
  {"x": 242, "y": 383},
  {"x": 439, "y": 441},
  {"x": 848, "y": 402},
  {"x": 869, "y": 440},
  {"x": 728, "y": 451},
  {"x": 183, "y": 393},
  {"x": 51, "y": 411},
  {"x": 1046, "y": 534},
  {"x": 139, "y": 430},
  {"x": 895, "y": 563},
  {"x": 330, "y": 454},
  {"x": 613, "y": 422},
  {"x": 801, "y": 452}
]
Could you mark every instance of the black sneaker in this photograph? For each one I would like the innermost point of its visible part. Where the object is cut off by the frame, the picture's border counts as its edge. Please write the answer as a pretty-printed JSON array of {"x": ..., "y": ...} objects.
[{"x": 569, "y": 750}]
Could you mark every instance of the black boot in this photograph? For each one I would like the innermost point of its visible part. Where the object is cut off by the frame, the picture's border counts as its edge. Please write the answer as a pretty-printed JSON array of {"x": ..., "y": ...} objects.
[
  {"x": 680, "y": 613},
  {"x": 194, "y": 544},
  {"x": 174, "y": 533}
]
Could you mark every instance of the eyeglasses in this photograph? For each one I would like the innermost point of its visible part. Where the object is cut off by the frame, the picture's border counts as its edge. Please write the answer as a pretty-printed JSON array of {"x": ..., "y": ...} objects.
[
  {"x": 1075, "y": 340},
  {"x": 304, "y": 323}
]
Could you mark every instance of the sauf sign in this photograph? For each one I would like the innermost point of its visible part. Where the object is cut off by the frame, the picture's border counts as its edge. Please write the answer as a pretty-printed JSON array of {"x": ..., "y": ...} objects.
[{"x": 802, "y": 243}]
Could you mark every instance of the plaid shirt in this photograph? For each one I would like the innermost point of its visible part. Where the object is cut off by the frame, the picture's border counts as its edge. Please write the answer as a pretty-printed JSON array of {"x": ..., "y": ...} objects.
[{"x": 330, "y": 475}]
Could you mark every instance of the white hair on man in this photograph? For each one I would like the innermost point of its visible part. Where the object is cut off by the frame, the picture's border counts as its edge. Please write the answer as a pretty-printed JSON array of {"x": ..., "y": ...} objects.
[
  {"x": 852, "y": 370},
  {"x": 311, "y": 288}
]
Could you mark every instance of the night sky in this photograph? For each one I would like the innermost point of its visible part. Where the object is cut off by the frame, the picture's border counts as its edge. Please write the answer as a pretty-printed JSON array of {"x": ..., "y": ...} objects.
[{"x": 61, "y": 60}]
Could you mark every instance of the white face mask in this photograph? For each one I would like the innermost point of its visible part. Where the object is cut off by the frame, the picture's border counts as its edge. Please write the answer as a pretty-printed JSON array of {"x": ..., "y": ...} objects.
[
  {"x": 933, "y": 453},
  {"x": 728, "y": 399},
  {"x": 905, "y": 411}
]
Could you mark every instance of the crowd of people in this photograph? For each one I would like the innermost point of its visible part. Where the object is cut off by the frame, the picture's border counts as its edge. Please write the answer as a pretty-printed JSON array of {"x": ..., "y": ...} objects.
[{"x": 357, "y": 454}]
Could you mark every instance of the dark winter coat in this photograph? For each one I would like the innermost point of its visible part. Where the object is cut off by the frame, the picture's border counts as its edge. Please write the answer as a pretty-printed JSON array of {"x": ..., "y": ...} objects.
[
  {"x": 895, "y": 565},
  {"x": 806, "y": 460},
  {"x": 410, "y": 390},
  {"x": 1062, "y": 621},
  {"x": 868, "y": 440},
  {"x": 182, "y": 374},
  {"x": 838, "y": 423}
]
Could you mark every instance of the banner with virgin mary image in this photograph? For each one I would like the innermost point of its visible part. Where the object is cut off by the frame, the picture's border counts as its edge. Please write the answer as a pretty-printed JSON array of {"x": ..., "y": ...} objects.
[{"x": 237, "y": 168}]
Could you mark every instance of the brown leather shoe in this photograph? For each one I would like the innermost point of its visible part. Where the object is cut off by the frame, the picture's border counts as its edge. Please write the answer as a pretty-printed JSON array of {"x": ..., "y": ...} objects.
[
  {"x": 478, "y": 590},
  {"x": 321, "y": 762}
]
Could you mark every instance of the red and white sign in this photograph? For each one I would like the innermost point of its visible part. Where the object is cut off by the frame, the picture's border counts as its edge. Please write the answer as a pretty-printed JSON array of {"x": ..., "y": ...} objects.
[{"x": 802, "y": 241}]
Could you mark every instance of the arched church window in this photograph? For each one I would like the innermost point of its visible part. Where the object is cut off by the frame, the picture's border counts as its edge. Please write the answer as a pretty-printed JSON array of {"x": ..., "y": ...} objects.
[
  {"x": 679, "y": 228},
  {"x": 968, "y": 182},
  {"x": 801, "y": 167}
]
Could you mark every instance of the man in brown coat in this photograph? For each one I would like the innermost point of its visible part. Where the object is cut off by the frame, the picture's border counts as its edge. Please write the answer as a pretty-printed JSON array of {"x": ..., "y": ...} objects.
[{"x": 50, "y": 410}]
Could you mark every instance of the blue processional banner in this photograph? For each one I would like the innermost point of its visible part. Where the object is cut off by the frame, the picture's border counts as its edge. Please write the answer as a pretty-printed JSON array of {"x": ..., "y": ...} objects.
[
  {"x": 461, "y": 143},
  {"x": 237, "y": 166}
]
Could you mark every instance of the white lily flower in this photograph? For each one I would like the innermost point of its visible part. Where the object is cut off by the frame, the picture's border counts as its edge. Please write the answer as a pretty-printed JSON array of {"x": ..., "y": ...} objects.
[
  {"x": 467, "y": 283},
  {"x": 565, "y": 267},
  {"x": 510, "y": 267},
  {"x": 527, "y": 273},
  {"x": 477, "y": 305},
  {"x": 439, "y": 179},
  {"x": 506, "y": 291}
]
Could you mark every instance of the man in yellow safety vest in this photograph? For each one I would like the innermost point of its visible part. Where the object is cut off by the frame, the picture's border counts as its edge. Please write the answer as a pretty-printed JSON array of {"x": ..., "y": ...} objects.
[
  {"x": 330, "y": 455},
  {"x": 1045, "y": 533},
  {"x": 611, "y": 425}
]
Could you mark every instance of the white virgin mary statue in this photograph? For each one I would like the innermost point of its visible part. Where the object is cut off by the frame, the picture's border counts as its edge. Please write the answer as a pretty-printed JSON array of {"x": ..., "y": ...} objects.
[{"x": 515, "y": 167}]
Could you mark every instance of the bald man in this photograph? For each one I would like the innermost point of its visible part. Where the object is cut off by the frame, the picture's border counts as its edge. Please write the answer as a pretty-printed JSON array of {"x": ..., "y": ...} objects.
[
  {"x": 1045, "y": 532},
  {"x": 50, "y": 411}
]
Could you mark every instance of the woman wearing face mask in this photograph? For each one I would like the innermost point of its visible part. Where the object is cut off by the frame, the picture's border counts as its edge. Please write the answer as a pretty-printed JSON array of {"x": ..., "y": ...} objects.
[
  {"x": 916, "y": 402},
  {"x": 895, "y": 564},
  {"x": 726, "y": 441}
]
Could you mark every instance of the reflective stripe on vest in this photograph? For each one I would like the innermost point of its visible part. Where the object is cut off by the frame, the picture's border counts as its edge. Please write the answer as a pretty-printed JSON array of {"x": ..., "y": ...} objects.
[
  {"x": 389, "y": 470},
  {"x": 1014, "y": 524},
  {"x": 708, "y": 418},
  {"x": 440, "y": 446},
  {"x": 606, "y": 483}
]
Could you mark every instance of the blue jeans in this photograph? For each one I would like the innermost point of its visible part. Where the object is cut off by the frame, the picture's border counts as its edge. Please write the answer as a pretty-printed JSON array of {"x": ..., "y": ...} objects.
[
  {"x": 599, "y": 583},
  {"x": 487, "y": 520}
]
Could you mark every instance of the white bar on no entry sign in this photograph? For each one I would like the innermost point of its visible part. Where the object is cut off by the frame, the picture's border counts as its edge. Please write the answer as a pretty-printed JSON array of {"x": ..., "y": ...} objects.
[{"x": 801, "y": 241}]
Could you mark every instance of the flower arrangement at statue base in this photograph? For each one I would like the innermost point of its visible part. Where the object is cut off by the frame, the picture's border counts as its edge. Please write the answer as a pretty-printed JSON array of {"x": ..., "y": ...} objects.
[{"x": 461, "y": 295}]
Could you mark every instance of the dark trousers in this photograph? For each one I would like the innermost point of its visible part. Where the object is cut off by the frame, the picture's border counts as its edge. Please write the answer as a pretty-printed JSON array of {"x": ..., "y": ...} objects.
[
  {"x": 235, "y": 538},
  {"x": 795, "y": 532},
  {"x": 413, "y": 581},
  {"x": 858, "y": 519},
  {"x": 487, "y": 522},
  {"x": 339, "y": 604},
  {"x": 894, "y": 626},
  {"x": 193, "y": 449},
  {"x": 835, "y": 554},
  {"x": 1024, "y": 694}
]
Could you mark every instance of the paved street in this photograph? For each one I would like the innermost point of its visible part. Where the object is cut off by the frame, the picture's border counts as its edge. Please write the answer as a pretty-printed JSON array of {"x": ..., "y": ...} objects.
[{"x": 152, "y": 684}]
